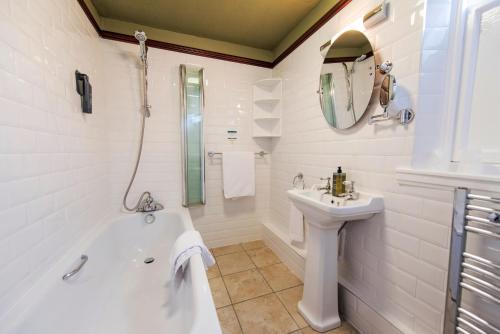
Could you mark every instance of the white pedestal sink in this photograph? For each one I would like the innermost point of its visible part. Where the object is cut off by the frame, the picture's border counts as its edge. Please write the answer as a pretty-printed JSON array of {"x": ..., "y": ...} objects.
[{"x": 319, "y": 304}]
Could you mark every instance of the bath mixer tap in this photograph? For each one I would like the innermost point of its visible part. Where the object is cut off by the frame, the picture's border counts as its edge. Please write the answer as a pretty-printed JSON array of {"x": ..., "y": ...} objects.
[{"x": 148, "y": 204}]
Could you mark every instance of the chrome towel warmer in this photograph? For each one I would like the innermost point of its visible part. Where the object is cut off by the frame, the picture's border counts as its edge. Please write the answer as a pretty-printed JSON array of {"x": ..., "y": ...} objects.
[
  {"x": 478, "y": 275},
  {"x": 212, "y": 154}
]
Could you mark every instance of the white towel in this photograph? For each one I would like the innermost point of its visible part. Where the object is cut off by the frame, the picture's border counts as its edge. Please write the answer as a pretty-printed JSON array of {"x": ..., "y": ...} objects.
[
  {"x": 188, "y": 244},
  {"x": 238, "y": 173},
  {"x": 296, "y": 224}
]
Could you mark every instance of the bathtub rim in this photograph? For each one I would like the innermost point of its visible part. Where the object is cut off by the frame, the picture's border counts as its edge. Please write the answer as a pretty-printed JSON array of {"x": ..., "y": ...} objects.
[{"x": 201, "y": 290}]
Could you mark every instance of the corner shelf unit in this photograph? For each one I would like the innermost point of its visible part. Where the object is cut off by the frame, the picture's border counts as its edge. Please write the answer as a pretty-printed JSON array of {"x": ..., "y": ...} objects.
[{"x": 267, "y": 105}]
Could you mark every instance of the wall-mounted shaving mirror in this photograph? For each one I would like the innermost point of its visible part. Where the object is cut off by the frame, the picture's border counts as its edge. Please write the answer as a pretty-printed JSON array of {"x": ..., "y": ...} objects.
[
  {"x": 347, "y": 79},
  {"x": 387, "y": 90}
]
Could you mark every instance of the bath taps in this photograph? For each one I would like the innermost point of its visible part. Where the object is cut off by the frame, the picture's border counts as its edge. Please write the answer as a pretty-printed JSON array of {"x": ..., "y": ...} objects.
[
  {"x": 148, "y": 204},
  {"x": 328, "y": 186}
]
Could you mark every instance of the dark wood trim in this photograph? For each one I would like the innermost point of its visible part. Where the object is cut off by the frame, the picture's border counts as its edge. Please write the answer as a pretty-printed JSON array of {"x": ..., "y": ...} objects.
[
  {"x": 212, "y": 54},
  {"x": 315, "y": 27},
  {"x": 89, "y": 15},
  {"x": 344, "y": 59},
  {"x": 185, "y": 49},
  {"x": 339, "y": 60}
]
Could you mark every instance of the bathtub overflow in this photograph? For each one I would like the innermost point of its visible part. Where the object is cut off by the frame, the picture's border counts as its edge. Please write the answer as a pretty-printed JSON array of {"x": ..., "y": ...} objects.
[
  {"x": 149, "y": 260},
  {"x": 149, "y": 218}
]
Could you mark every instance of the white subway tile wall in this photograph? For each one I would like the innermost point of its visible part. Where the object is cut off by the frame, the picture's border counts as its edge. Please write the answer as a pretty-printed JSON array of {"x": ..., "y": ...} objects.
[
  {"x": 62, "y": 172},
  {"x": 53, "y": 159},
  {"x": 396, "y": 262},
  {"x": 228, "y": 106}
]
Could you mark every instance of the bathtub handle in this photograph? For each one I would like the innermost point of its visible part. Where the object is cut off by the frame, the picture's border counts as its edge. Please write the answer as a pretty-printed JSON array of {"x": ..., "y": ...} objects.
[{"x": 72, "y": 273}]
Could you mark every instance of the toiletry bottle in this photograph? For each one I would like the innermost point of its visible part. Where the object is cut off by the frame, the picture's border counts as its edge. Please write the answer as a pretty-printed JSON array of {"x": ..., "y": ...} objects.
[{"x": 338, "y": 183}]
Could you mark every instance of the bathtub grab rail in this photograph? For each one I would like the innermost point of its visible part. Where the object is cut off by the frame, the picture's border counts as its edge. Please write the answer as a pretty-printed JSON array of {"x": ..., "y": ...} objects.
[{"x": 83, "y": 259}]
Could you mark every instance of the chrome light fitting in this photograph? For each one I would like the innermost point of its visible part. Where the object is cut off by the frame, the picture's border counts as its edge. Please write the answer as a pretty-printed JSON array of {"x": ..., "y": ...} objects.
[{"x": 375, "y": 15}]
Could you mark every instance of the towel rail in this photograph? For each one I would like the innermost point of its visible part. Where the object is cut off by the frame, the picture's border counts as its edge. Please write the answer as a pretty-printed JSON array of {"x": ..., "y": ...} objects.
[
  {"x": 481, "y": 271},
  {"x": 484, "y": 198},
  {"x": 463, "y": 331},
  {"x": 211, "y": 154},
  {"x": 480, "y": 293},
  {"x": 478, "y": 319},
  {"x": 481, "y": 282},
  {"x": 467, "y": 271},
  {"x": 483, "y": 232},
  {"x": 481, "y": 260},
  {"x": 471, "y": 325}
]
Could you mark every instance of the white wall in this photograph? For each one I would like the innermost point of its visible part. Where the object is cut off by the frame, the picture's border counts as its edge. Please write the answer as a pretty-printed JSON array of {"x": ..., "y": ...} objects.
[
  {"x": 228, "y": 106},
  {"x": 53, "y": 159},
  {"x": 396, "y": 262},
  {"x": 62, "y": 172}
]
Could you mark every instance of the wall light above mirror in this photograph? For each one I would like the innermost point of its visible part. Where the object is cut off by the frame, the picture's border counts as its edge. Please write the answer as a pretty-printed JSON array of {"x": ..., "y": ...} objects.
[{"x": 347, "y": 79}]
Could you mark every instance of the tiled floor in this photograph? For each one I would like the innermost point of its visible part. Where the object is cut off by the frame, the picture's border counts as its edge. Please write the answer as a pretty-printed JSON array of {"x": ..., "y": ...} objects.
[{"x": 255, "y": 293}]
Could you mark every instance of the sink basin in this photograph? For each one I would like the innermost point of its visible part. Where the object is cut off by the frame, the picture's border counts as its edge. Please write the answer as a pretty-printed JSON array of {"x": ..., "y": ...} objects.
[
  {"x": 325, "y": 214},
  {"x": 335, "y": 210}
]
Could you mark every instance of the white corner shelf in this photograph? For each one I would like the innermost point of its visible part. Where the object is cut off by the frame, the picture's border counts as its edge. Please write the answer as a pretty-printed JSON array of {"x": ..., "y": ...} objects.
[{"x": 267, "y": 105}]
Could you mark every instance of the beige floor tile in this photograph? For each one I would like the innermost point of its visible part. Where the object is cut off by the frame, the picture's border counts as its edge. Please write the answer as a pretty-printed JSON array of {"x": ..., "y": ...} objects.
[
  {"x": 233, "y": 263},
  {"x": 279, "y": 277},
  {"x": 290, "y": 298},
  {"x": 213, "y": 272},
  {"x": 344, "y": 329},
  {"x": 263, "y": 257},
  {"x": 246, "y": 285},
  {"x": 226, "y": 250},
  {"x": 219, "y": 292},
  {"x": 264, "y": 315},
  {"x": 228, "y": 321},
  {"x": 253, "y": 245}
]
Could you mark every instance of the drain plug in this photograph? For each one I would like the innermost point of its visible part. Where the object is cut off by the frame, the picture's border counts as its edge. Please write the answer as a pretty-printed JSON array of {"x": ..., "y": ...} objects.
[{"x": 149, "y": 260}]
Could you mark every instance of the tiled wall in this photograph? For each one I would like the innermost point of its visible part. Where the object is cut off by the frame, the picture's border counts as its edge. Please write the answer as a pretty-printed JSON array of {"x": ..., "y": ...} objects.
[
  {"x": 62, "y": 172},
  {"x": 228, "y": 106},
  {"x": 432, "y": 130},
  {"x": 395, "y": 262},
  {"x": 53, "y": 159}
]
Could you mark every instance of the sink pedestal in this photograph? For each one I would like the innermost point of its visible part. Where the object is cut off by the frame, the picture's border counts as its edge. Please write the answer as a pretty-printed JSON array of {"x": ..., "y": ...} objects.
[
  {"x": 319, "y": 304},
  {"x": 324, "y": 216}
]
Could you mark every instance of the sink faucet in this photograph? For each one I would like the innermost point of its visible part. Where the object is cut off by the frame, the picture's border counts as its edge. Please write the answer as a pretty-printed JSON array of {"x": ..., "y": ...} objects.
[
  {"x": 328, "y": 186},
  {"x": 350, "y": 194},
  {"x": 148, "y": 204}
]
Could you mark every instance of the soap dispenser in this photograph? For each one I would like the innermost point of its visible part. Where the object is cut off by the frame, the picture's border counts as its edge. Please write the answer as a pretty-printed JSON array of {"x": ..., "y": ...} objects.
[{"x": 338, "y": 183}]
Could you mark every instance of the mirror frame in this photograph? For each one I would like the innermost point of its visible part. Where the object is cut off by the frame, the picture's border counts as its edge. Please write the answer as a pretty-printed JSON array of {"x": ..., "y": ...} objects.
[{"x": 324, "y": 49}]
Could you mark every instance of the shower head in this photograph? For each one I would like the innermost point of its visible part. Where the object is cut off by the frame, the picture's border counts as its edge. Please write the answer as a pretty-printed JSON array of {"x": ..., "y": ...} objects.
[
  {"x": 360, "y": 58},
  {"x": 141, "y": 37}
]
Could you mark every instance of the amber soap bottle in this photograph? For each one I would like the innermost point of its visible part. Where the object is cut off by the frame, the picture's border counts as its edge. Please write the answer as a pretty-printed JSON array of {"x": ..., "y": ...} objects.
[{"x": 338, "y": 183}]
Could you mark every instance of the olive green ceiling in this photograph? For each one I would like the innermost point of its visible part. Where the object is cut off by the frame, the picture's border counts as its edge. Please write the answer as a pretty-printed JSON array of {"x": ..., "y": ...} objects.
[{"x": 257, "y": 29}]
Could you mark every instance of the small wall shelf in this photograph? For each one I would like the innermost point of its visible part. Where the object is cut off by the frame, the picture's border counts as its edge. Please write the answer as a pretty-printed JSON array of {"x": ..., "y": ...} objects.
[{"x": 267, "y": 105}]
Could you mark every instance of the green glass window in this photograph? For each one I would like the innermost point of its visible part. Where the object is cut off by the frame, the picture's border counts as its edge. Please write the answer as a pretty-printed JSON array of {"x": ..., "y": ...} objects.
[{"x": 192, "y": 102}]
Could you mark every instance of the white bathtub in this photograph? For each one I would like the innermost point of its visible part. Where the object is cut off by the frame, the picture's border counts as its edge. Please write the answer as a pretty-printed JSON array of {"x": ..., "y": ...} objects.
[{"x": 116, "y": 292}]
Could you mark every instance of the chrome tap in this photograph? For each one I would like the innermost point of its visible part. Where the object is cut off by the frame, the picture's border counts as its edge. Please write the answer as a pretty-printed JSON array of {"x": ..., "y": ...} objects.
[
  {"x": 328, "y": 186},
  {"x": 148, "y": 204},
  {"x": 350, "y": 194}
]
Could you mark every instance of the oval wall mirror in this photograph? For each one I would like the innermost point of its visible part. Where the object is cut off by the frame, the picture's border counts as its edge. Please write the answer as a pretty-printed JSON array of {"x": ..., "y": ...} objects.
[{"x": 347, "y": 79}]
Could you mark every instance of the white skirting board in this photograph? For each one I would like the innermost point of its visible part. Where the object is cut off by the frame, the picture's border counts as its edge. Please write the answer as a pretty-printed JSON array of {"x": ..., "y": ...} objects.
[{"x": 358, "y": 313}]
